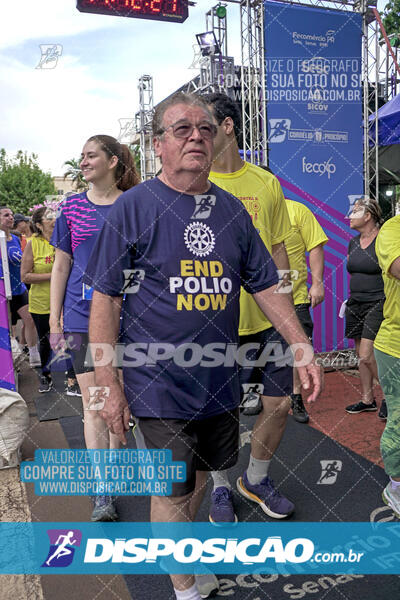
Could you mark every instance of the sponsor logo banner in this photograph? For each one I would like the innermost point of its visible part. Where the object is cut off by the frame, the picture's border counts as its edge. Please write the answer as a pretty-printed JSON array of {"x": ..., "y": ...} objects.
[
  {"x": 159, "y": 548},
  {"x": 314, "y": 108},
  {"x": 314, "y": 99}
]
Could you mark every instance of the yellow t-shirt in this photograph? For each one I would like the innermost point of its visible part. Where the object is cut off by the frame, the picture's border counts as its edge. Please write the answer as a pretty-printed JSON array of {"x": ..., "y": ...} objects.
[
  {"x": 43, "y": 259},
  {"x": 263, "y": 198},
  {"x": 387, "y": 247},
  {"x": 306, "y": 233}
]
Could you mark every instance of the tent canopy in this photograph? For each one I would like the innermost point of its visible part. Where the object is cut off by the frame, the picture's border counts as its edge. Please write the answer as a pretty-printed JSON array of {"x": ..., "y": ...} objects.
[{"x": 389, "y": 122}]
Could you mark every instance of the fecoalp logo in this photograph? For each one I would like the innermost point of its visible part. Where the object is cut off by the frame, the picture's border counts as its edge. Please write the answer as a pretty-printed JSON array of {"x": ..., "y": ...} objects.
[
  {"x": 63, "y": 543},
  {"x": 323, "y": 168}
]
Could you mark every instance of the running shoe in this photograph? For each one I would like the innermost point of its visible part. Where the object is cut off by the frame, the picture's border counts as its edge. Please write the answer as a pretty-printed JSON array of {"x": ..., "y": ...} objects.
[
  {"x": 267, "y": 496},
  {"x": 74, "y": 390},
  {"x": 383, "y": 411},
  {"x": 299, "y": 412},
  {"x": 207, "y": 584},
  {"x": 361, "y": 407},
  {"x": 104, "y": 509},
  {"x": 46, "y": 384},
  {"x": 221, "y": 510},
  {"x": 391, "y": 497}
]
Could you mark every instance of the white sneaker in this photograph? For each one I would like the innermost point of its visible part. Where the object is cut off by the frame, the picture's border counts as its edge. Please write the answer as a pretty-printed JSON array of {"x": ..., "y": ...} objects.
[
  {"x": 16, "y": 348},
  {"x": 391, "y": 497}
]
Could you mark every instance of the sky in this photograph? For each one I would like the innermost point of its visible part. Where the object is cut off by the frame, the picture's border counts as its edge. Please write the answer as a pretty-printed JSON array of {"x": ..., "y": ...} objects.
[
  {"x": 94, "y": 84},
  {"x": 52, "y": 112}
]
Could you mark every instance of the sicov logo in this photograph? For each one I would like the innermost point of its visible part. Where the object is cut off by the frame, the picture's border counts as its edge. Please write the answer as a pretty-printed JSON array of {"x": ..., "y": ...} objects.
[
  {"x": 62, "y": 547},
  {"x": 324, "y": 168}
]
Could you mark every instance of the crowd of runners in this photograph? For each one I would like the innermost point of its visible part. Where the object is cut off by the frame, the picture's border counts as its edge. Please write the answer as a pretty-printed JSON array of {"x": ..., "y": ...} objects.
[{"x": 209, "y": 254}]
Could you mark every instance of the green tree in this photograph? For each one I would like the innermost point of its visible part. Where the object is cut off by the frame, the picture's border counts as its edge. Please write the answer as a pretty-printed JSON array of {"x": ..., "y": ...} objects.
[
  {"x": 391, "y": 19},
  {"x": 135, "y": 151},
  {"x": 75, "y": 174},
  {"x": 22, "y": 182}
]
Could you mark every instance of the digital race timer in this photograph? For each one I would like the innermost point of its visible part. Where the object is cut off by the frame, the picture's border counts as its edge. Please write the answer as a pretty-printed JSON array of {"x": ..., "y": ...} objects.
[{"x": 160, "y": 10}]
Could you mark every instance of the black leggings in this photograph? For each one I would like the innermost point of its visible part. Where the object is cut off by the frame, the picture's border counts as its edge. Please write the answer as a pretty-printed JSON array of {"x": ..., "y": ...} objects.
[{"x": 43, "y": 330}]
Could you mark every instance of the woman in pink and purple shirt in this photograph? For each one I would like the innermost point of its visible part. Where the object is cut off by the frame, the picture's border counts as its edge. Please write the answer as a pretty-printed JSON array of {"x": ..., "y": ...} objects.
[{"x": 109, "y": 168}]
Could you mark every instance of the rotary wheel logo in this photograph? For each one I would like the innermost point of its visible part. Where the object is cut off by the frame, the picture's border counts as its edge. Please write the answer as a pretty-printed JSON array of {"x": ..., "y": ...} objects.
[{"x": 199, "y": 238}]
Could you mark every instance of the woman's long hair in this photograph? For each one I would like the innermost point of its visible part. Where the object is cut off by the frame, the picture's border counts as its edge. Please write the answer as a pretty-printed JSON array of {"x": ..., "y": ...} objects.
[{"x": 126, "y": 174}]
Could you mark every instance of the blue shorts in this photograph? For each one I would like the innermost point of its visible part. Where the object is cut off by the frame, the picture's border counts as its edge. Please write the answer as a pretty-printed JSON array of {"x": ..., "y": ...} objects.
[{"x": 274, "y": 377}]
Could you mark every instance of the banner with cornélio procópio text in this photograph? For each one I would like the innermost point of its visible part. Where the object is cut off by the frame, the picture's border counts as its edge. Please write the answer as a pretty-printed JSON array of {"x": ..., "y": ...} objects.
[{"x": 314, "y": 113}]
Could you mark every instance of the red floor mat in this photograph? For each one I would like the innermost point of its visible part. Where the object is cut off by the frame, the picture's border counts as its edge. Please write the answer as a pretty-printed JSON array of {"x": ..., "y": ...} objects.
[{"x": 361, "y": 433}]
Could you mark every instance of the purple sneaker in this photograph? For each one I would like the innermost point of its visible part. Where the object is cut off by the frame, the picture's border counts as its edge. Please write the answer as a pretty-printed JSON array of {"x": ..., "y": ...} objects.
[
  {"x": 222, "y": 511},
  {"x": 267, "y": 496}
]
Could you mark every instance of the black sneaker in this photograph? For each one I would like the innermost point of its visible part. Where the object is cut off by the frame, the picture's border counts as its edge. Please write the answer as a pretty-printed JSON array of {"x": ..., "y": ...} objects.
[
  {"x": 46, "y": 384},
  {"x": 74, "y": 390},
  {"x": 383, "y": 411},
  {"x": 299, "y": 412},
  {"x": 361, "y": 407}
]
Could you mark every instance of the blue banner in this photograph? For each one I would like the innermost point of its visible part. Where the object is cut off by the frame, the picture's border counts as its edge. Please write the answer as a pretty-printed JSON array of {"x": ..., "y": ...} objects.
[
  {"x": 314, "y": 112},
  {"x": 145, "y": 548}
]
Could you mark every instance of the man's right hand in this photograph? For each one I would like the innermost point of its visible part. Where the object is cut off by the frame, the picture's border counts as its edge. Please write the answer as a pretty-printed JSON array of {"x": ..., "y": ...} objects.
[{"x": 116, "y": 411}]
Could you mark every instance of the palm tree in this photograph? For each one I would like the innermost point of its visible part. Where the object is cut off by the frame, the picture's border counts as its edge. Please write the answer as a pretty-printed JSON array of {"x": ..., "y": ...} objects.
[{"x": 74, "y": 172}]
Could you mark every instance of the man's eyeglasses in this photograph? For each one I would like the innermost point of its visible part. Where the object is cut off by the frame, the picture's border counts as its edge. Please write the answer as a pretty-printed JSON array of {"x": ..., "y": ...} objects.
[{"x": 183, "y": 130}]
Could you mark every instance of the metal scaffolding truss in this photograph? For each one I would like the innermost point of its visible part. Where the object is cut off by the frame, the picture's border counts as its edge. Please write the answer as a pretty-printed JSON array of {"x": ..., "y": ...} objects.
[
  {"x": 143, "y": 120},
  {"x": 370, "y": 71},
  {"x": 254, "y": 118},
  {"x": 219, "y": 26},
  {"x": 388, "y": 66},
  {"x": 217, "y": 73},
  {"x": 217, "y": 70},
  {"x": 254, "y": 107}
]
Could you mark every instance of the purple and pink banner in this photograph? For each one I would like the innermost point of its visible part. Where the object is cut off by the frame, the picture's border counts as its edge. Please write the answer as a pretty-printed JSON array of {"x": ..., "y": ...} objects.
[{"x": 7, "y": 379}]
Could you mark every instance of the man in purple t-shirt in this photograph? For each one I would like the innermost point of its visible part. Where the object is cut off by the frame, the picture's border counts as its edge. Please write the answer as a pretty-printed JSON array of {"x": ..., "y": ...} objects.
[{"x": 182, "y": 247}]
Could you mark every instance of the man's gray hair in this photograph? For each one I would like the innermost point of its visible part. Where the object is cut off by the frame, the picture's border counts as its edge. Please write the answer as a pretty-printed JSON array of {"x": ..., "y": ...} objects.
[{"x": 177, "y": 98}]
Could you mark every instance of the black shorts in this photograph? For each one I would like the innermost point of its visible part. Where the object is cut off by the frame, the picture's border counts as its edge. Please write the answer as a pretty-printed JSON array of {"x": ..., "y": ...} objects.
[
  {"x": 16, "y": 303},
  {"x": 363, "y": 319},
  {"x": 303, "y": 314},
  {"x": 210, "y": 444},
  {"x": 78, "y": 350},
  {"x": 275, "y": 377}
]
